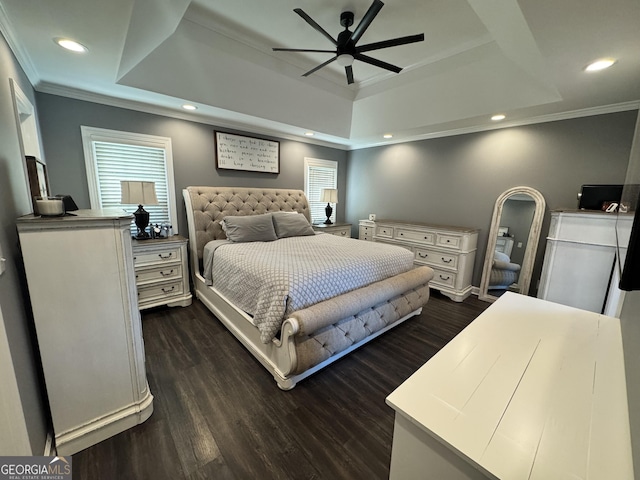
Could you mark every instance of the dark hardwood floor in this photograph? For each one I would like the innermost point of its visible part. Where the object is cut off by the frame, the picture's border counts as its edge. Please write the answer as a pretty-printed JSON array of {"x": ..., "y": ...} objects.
[{"x": 218, "y": 413}]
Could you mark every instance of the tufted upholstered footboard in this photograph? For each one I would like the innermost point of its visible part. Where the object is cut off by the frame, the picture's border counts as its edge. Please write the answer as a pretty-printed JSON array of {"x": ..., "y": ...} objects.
[{"x": 315, "y": 336}]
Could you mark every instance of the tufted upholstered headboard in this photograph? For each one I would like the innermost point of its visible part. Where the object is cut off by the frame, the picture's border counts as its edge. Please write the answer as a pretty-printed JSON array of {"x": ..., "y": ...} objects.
[{"x": 207, "y": 206}]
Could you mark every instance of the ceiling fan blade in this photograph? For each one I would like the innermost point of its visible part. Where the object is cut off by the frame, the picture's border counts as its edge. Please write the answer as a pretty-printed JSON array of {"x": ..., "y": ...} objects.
[
  {"x": 375, "y": 7},
  {"x": 319, "y": 67},
  {"x": 394, "y": 42},
  {"x": 301, "y": 50},
  {"x": 312, "y": 22},
  {"x": 376, "y": 62},
  {"x": 349, "y": 71}
]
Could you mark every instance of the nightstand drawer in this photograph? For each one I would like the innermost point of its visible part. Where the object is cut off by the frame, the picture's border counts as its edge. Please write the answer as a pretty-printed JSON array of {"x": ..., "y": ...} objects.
[
  {"x": 437, "y": 259},
  {"x": 159, "y": 291},
  {"x": 415, "y": 236},
  {"x": 342, "y": 232},
  {"x": 158, "y": 274},
  {"x": 168, "y": 254}
]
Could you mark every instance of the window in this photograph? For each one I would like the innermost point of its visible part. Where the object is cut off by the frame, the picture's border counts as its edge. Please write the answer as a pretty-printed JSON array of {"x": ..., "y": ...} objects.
[
  {"x": 319, "y": 174},
  {"x": 112, "y": 156}
]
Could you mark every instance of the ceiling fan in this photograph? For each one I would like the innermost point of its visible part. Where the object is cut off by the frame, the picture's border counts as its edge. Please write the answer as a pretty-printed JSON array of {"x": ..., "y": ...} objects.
[{"x": 346, "y": 50}]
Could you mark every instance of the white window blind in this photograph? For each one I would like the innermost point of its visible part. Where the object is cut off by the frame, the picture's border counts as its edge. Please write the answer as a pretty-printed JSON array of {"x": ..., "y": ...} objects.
[
  {"x": 319, "y": 174},
  {"x": 114, "y": 156}
]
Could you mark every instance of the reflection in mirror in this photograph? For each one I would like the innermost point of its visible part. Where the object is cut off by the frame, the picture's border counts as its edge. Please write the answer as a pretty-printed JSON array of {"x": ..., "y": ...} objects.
[{"x": 512, "y": 244}]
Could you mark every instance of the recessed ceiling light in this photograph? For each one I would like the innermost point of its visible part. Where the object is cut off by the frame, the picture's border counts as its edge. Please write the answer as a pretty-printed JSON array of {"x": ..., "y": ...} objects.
[
  {"x": 187, "y": 106},
  {"x": 497, "y": 118},
  {"x": 600, "y": 64},
  {"x": 71, "y": 45},
  {"x": 309, "y": 134},
  {"x": 387, "y": 135}
]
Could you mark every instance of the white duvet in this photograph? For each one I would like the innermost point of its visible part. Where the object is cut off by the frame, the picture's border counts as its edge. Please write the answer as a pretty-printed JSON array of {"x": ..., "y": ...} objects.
[{"x": 269, "y": 280}]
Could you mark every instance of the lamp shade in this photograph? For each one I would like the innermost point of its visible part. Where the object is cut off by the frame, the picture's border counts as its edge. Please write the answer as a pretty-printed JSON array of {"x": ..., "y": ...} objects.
[
  {"x": 138, "y": 193},
  {"x": 329, "y": 195}
]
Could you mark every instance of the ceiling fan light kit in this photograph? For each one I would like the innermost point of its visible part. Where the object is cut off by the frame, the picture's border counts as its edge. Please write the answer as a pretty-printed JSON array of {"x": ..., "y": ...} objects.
[{"x": 346, "y": 51}]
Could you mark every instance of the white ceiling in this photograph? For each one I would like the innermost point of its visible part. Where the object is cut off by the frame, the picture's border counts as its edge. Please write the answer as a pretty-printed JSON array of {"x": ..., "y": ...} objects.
[{"x": 521, "y": 58}]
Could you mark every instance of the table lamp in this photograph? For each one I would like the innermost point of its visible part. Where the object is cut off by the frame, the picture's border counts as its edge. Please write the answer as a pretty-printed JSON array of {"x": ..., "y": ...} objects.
[
  {"x": 141, "y": 193},
  {"x": 329, "y": 195}
]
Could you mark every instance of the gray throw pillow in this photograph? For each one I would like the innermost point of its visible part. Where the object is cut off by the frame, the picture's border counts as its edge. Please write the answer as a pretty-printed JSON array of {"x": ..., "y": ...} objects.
[
  {"x": 249, "y": 228},
  {"x": 287, "y": 225}
]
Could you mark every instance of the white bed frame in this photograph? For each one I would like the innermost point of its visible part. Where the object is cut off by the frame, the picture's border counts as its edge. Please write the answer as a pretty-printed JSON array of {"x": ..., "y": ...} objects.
[{"x": 281, "y": 356}]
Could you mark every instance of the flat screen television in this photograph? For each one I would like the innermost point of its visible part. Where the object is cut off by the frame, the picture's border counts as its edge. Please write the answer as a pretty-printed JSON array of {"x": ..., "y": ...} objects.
[{"x": 593, "y": 197}]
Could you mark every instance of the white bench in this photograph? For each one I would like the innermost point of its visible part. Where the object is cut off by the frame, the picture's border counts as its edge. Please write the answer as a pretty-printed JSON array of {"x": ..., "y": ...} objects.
[{"x": 530, "y": 390}]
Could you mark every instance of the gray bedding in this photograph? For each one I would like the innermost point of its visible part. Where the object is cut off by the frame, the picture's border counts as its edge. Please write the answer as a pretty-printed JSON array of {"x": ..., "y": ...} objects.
[{"x": 269, "y": 280}]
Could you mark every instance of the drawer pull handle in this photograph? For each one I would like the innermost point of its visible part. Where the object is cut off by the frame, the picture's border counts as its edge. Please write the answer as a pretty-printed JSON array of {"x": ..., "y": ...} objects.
[
  {"x": 168, "y": 291},
  {"x": 165, "y": 258},
  {"x": 448, "y": 241},
  {"x": 423, "y": 256},
  {"x": 447, "y": 260},
  {"x": 343, "y": 233},
  {"x": 444, "y": 278},
  {"x": 426, "y": 238},
  {"x": 171, "y": 273},
  {"x": 401, "y": 234}
]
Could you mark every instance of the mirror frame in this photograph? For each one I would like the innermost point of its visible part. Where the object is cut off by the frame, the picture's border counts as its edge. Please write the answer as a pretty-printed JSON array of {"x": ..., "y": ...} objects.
[{"x": 524, "y": 279}]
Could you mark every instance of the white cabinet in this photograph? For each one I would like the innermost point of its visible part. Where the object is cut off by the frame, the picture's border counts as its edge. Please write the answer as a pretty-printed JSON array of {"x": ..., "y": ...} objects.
[
  {"x": 366, "y": 229},
  {"x": 82, "y": 288},
  {"x": 338, "y": 229},
  {"x": 162, "y": 274},
  {"x": 579, "y": 258},
  {"x": 450, "y": 251},
  {"x": 517, "y": 396}
]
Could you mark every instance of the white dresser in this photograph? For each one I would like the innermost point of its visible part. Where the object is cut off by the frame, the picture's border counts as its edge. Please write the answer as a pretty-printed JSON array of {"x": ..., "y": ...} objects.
[
  {"x": 162, "y": 274},
  {"x": 82, "y": 288},
  {"x": 579, "y": 258},
  {"x": 517, "y": 396},
  {"x": 450, "y": 251}
]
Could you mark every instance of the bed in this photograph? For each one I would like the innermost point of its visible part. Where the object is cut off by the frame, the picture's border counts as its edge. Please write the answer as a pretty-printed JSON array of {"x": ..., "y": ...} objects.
[{"x": 299, "y": 328}]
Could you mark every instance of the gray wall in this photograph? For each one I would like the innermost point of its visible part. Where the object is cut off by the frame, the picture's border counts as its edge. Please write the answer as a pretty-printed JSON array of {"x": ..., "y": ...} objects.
[
  {"x": 16, "y": 310},
  {"x": 456, "y": 180},
  {"x": 192, "y": 145}
]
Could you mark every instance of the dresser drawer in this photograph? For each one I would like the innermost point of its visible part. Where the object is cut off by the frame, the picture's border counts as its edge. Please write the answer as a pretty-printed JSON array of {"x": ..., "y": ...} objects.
[
  {"x": 158, "y": 274},
  {"x": 444, "y": 278},
  {"x": 415, "y": 236},
  {"x": 386, "y": 232},
  {"x": 159, "y": 291},
  {"x": 436, "y": 259},
  {"x": 156, "y": 257},
  {"x": 451, "y": 241}
]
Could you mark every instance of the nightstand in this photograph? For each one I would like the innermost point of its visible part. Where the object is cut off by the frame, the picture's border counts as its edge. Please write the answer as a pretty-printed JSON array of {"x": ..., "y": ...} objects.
[
  {"x": 338, "y": 229},
  {"x": 162, "y": 272},
  {"x": 366, "y": 229}
]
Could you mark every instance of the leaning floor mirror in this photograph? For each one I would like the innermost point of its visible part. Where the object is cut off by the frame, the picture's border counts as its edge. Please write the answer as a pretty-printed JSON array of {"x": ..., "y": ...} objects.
[{"x": 512, "y": 244}]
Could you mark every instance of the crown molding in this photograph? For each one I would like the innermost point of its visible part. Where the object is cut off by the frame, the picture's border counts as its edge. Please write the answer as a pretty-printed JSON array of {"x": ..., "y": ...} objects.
[
  {"x": 273, "y": 130},
  {"x": 20, "y": 53},
  {"x": 552, "y": 117}
]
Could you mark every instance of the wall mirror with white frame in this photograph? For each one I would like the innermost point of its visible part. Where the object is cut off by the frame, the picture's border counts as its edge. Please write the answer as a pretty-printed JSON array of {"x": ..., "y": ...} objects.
[{"x": 512, "y": 244}]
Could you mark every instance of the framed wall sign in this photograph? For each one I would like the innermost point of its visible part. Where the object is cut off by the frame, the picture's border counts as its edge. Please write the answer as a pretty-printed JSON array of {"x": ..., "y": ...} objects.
[{"x": 238, "y": 152}]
